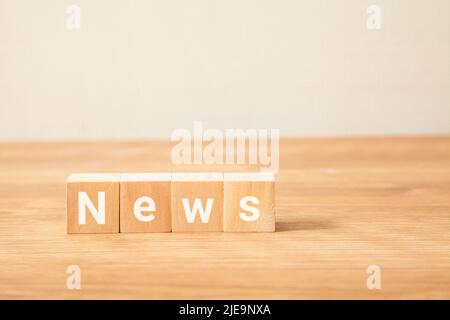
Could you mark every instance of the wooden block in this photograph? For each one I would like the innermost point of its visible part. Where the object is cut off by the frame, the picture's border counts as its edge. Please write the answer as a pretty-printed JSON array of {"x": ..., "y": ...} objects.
[
  {"x": 145, "y": 202},
  {"x": 249, "y": 202},
  {"x": 93, "y": 203},
  {"x": 197, "y": 202}
]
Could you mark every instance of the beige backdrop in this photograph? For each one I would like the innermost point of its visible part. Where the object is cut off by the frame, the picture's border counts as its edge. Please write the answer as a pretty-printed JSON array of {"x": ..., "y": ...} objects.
[{"x": 142, "y": 68}]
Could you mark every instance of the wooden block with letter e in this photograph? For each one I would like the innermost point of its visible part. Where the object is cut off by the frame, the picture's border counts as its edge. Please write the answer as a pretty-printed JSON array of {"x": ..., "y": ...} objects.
[
  {"x": 249, "y": 202},
  {"x": 197, "y": 202},
  {"x": 93, "y": 203},
  {"x": 145, "y": 202}
]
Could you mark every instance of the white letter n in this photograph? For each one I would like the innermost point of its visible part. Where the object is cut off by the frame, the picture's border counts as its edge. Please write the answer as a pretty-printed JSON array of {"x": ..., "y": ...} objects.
[{"x": 84, "y": 201}]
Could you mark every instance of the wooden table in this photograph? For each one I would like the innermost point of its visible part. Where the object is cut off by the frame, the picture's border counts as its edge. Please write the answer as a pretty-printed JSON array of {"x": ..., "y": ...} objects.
[{"x": 342, "y": 205}]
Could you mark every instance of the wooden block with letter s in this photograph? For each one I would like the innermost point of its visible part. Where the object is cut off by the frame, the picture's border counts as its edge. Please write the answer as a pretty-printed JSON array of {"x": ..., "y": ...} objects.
[
  {"x": 249, "y": 202},
  {"x": 145, "y": 202},
  {"x": 93, "y": 203},
  {"x": 197, "y": 202}
]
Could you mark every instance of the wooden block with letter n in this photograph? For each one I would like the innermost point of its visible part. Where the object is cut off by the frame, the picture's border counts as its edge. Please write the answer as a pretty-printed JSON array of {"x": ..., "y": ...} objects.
[
  {"x": 93, "y": 203},
  {"x": 197, "y": 202},
  {"x": 145, "y": 202},
  {"x": 249, "y": 202}
]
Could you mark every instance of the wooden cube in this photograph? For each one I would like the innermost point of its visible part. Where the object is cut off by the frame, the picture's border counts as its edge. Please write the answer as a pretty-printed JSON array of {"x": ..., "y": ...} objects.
[
  {"x": 249, "y": 202},
  {"x": 197, "y": 202},
  {"x": 145, "y": 202},
  {"x": 93, "y": 203}
]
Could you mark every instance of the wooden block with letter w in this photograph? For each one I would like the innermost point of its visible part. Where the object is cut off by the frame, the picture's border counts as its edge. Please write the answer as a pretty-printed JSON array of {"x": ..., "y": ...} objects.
[{"x": 197, "y": 202}]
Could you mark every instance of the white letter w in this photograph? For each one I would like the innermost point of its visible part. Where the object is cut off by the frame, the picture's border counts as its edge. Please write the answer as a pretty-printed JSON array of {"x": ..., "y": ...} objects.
[{"x": 204, "y": 214}]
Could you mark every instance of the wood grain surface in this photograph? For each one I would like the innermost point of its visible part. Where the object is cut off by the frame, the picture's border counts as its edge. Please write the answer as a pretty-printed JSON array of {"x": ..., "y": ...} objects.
[{"x": 342, "y": 205}]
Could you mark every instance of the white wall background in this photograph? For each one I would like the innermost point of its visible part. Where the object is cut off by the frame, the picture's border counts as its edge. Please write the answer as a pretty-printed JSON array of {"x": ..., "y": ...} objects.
[{"x": 140, "y": 69}]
